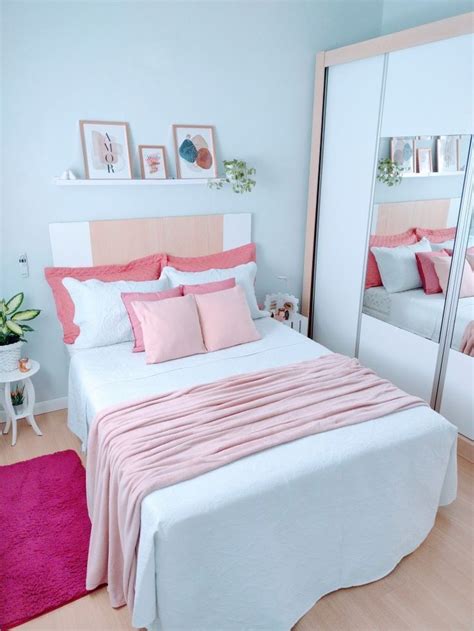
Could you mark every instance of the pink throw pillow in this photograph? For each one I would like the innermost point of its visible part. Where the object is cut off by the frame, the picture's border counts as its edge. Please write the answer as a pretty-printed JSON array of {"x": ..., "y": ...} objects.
[
  {"x": 436, "y": 235},
  {"x": 128, "y": 298},
  {"x": 372, "y": 277},
  {"x": 171, "y": 328},
  {"x": 147, "y": 268},
  {"x": 442, "y": 266},
  {"x": 429, "y": 278},
  {"x": 220, "y": 260},
  {"x": 226, "y": 319},
  {"x": 209, "y": 288}
]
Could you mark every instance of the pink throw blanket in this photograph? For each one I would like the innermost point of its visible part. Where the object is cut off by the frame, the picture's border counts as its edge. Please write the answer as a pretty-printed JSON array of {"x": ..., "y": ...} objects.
[{"x": 140, "y": 447}]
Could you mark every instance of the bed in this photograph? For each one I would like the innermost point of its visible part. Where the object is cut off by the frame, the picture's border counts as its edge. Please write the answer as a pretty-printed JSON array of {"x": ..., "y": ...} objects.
[
  {"x": 255, "y": 543},
  {"x": 417, "y": 312}
]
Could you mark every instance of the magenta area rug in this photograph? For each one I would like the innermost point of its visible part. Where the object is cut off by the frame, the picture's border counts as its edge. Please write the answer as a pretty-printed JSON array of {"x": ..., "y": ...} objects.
[{"x": 44, "y": 536}]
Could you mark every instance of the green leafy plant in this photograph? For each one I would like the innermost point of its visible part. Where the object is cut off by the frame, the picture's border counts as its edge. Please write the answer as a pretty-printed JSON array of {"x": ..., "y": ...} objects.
[
  {"x": 389, "y": 172},
  {"x": 17, "y": 395},
  {"x": 238, "y": 174},
  {"x": 12, "y": 327}
]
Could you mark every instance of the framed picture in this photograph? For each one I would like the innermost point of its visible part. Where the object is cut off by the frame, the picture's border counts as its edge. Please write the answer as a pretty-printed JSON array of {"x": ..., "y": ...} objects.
[
  {"x": 425, "y": 160},
  {"x": 195, "y": 151},
  {"x": 153, "y": 162},
  {"x": 106, "y": 150},
  {"x": 403, "y": 153},
  {"x": 281, "y": 306},
  {"x": 448, "y": 154}
]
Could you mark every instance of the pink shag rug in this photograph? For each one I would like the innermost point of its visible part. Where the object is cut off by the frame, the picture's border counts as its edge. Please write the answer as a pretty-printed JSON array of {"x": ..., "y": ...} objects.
[{"x": 44, "y": 536}]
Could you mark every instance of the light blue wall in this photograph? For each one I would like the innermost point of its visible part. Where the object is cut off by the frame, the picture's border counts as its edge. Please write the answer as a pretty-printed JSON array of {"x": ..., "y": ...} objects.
[
  {"x": 246, "y": 67},
  {"x": 401, "y": 14}
]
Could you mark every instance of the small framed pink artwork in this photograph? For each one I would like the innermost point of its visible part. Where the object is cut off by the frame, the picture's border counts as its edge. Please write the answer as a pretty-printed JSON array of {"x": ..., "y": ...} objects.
[
  {"x": 153, "y": 162},
  {"x": 106, "y": 150}
]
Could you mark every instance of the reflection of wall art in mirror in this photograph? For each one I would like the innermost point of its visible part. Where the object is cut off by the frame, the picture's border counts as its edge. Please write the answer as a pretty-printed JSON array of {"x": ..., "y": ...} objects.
[
  {"x": 448, "y": 154},
  {"x": 152, "y": 162},
  {"x": 424, "y": 160},
  {"x": 402, "y": 152},
  {"x": 106, "y": 150}
]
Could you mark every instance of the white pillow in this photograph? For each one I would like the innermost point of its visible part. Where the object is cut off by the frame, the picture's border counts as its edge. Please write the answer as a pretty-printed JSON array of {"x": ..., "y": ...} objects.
[
  {"x": 437, "y": 247},
  {"x": 397, "y": 266},
  {"x": 244, "y": 276},
  {"x": 99, "y": 311}
]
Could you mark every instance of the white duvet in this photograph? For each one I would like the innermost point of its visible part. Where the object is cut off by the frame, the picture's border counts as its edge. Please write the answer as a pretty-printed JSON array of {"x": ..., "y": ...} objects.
[{"x": 254, "y": 544}]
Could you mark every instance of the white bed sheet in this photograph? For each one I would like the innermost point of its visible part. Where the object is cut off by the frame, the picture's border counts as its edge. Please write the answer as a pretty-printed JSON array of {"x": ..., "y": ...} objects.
[{"x": 254, "y": 544}]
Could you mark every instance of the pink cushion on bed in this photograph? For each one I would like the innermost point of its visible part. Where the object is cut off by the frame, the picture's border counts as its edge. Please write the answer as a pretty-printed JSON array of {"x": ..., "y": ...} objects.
[
  {"x": 226, "y": 319},
  {"x": 372, "y": 278},
  {"x": 221, "y": 260},
  {"x": 171, "y": 328},
  {"x": 147, "y": 268},
  {"x": 436, "y": 235},
  {"x": 442, "y": 266},
  {"x": 128, "y": 298},
  {"x": 426, "y": 269},
  {"x": 209, "y": 288}
]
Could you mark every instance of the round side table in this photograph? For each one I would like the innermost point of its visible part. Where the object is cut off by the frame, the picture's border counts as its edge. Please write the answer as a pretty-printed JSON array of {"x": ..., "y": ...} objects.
[{"x": 25, "y": 410}]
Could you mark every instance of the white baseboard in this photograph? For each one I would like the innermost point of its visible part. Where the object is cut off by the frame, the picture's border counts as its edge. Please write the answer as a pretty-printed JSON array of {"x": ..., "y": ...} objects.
[{"x": 51, "y": 406}]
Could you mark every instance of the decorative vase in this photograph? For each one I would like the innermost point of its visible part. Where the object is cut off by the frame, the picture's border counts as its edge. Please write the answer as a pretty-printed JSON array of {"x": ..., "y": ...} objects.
[{"x": 9, "y": 356}]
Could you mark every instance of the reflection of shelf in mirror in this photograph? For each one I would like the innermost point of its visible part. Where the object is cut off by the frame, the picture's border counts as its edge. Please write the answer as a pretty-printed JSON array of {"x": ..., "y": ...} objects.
[
  {"x": 436, "y": 174},
  {"x": 137, "y": 182}
]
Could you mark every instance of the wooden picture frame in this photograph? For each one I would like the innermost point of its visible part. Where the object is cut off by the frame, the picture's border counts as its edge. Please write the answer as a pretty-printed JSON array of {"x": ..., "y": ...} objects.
[
  {"x": 153, "y": 167},
  {"x": 398, "y": 150},
  {"x": 195, "y": 151},
  {"x": 106, "y": 150},
  {"x": 447, "y": 154},
  {"x": 424, "y": 160}
]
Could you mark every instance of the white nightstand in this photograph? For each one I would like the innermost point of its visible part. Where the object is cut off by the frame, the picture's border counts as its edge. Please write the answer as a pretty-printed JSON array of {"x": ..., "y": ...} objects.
[
  {"x": 25, "y": 410},
  {"x": 297, "y": 322}
]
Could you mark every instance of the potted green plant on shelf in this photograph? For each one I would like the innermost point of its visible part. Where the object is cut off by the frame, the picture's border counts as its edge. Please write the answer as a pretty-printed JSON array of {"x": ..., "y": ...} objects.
[
  {"x": 238, "y": 175},
  {"x": 389, "y": 172},
  {"x": 12, "y": 330}
]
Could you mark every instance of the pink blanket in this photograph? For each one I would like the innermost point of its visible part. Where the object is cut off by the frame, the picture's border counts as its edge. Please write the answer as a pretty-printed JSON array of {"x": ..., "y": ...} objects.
[{"x": 137, "y": 448}]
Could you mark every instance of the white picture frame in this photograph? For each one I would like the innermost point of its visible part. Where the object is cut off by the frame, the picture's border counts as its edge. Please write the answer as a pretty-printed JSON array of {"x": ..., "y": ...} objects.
[
  {"x": 447, "y": 153},
  {"x": 402, "y": 151},
  {"x": 424, "y": 160},
  {"x": 195, "y": 150},
  {"x": 106, "y": 150},
  {"x": 279, "y": 305}
]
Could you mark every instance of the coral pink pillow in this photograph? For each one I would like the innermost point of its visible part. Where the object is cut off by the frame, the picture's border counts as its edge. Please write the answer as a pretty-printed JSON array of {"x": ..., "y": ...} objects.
[
  {"x": 209, "y": 288},
  {"x": 373, "y": 278},
  {"x": 442, "y": 266},
  {"x": 171, "y": 328},
  {"x": 147, "y": 268},
  {"x": 437, "y": 235},
  {"x": 426, "y": 269},
  {"x": 128, "y": 298},
  {"x": 221, "y": 260},
  {"x": 226, "y": 319}
]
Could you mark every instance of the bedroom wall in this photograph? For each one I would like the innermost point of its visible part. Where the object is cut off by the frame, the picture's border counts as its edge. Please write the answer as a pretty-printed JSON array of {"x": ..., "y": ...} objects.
[
  {"x": 246, "y": 67},
  {"x": 401, "y": 14}
]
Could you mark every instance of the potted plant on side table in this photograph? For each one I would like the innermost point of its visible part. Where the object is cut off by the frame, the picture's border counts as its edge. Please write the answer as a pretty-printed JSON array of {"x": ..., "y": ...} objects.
[{"x": 12, "y": 330}]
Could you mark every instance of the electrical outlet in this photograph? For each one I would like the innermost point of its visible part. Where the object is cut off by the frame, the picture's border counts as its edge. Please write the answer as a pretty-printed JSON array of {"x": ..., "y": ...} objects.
[{"x": 23, "y": 263}]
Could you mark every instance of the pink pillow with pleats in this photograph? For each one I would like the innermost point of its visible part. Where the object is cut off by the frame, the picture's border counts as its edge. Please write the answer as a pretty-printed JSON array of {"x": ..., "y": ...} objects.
[
  {"x": 221, "y": 260},
  {"x": 436, "y": 235},
  {"x": 372, "y": 277},
  {"x": 171, "y": 328},
  {"x": 442, "y": 266},
  {"x": 226, "y": 319},
  {"x": 146, "y": 268},
  {"x": 426, "y": 269},
  {"x": 209, "y": 288},
  {"x": 129, "y": 298}
]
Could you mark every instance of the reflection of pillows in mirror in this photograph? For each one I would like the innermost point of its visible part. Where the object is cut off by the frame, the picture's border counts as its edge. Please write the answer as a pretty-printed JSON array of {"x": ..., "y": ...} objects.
[
  {"x": 426, "y": 269},
  {"x": 442, "y": 266},
  {"x": 171, "y": 328},
  {"x": 444, "y": 245},
  {"x": 397, "y": 266},
  {"x": 373, "y": 278},
  {"x": 99, "y": 311},
  {"x": 470, "y": 258},
  {"x": 139, "y": 345},
  {"x": 436, "y": 235}
]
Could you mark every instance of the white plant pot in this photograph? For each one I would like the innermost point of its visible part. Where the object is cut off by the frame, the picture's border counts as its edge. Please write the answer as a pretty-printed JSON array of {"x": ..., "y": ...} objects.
[{"x": 9, "y": 356}]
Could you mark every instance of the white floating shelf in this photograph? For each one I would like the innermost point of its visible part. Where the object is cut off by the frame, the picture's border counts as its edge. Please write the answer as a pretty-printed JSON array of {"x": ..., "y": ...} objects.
[
  {"x": 436, "y": 174},
  {"x": 170, "y": 182}
]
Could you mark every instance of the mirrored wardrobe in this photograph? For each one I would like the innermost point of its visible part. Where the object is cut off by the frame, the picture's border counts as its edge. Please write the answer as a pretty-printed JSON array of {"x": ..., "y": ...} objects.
[{"x": 392, "y": 255}]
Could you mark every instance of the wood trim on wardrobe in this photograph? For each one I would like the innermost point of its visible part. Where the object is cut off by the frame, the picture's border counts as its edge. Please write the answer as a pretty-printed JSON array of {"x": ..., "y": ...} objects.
[
  {"x": 417, "y": 36},
  {"x": 466, "y": 448}
]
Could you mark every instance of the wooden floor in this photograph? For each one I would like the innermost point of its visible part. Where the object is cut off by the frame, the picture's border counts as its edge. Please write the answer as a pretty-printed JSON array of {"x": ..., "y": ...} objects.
[{"x": 431, "y": 589}]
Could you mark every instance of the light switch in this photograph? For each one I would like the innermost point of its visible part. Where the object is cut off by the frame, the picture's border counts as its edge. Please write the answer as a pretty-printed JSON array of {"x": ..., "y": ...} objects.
[{"x": 23, "y": 263}]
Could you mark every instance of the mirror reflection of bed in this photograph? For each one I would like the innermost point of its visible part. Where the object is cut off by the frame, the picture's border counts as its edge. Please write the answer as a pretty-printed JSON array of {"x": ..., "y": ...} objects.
[{"x": 411, "y": 246}]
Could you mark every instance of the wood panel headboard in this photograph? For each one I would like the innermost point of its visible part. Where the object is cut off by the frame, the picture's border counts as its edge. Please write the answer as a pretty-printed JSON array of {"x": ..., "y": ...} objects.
[
  {"x": 396, "y": 217},
  {"x": 85, "y": 243}
]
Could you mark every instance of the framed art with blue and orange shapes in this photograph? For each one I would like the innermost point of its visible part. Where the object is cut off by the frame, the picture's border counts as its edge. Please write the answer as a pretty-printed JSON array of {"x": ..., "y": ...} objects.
[{"x": 195, "y": 151}]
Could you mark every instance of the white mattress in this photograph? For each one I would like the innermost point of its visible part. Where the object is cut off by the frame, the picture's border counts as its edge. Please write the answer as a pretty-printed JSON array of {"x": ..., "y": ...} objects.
[
  {"x": 417, "y": 312},
  {"x": 254, "y": 544}
]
